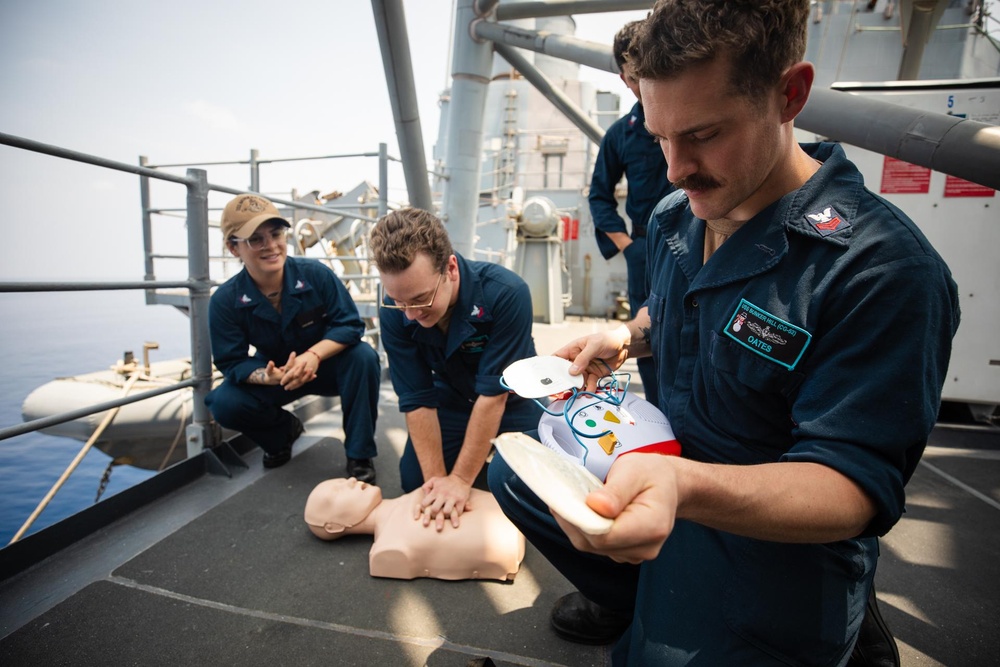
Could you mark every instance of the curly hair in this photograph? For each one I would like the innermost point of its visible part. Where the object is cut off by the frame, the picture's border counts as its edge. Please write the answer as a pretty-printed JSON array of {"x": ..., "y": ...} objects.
[
  {"x": 623, "y": 40},
  {"x": 397, "y": 238},
  {"x": 762, "y": 39}
]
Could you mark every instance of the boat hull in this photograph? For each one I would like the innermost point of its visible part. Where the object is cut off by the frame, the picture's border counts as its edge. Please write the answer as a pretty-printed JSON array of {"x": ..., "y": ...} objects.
[{"x": 147, "y": 434}]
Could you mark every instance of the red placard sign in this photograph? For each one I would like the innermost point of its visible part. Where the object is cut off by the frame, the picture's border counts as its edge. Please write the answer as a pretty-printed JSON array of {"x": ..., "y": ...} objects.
[
  {"x": 957, "y": 187},
  {"x": 900, "y": 177}
]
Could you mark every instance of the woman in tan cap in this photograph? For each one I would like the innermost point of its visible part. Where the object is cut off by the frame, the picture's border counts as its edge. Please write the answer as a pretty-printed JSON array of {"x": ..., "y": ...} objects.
[{"x": 307, "y": 334}]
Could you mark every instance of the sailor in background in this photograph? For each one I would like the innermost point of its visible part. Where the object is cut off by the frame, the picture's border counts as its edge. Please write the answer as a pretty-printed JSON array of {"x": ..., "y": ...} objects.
[
  {"x": 307, "y": 334},
  {"x": 627, "y": 149}
]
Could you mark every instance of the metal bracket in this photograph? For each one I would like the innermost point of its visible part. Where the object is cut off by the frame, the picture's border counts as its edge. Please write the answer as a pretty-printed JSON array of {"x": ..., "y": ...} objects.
[{"x": 220, "y": 459}]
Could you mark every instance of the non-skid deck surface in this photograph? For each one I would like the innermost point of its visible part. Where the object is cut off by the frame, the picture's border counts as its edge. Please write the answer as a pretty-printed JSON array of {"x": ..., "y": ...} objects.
[
  {"x": 247, "y": 583},
  {"x": 938, "y": 577}
]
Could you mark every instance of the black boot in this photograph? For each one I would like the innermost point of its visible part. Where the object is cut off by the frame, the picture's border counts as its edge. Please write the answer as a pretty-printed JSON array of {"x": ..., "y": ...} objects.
[
  {"x": 577, "y": 619},
  {"x": 876, "y": 646},
  {"x": 283, "y": 455},
  {"x": 362, "y": 470}
]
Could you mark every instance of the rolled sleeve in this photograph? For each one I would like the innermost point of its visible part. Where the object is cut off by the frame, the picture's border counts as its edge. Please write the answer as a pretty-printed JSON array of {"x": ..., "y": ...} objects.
[{"x": 866, "y": 408}]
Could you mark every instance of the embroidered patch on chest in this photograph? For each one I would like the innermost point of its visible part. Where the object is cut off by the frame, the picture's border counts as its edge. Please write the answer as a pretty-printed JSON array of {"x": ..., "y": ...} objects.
[
  {"x": 767, "y": 335},
  {"x": 475, "y": 345},
  {"x": 828, "y": 221}
]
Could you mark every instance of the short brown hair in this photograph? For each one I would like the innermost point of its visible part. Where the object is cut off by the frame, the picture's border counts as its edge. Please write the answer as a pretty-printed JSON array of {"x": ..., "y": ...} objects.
[
  {"x": 397, "y": 238},
  {"x": 623, "y": 40},
  {"x": 761, "y": 38}
]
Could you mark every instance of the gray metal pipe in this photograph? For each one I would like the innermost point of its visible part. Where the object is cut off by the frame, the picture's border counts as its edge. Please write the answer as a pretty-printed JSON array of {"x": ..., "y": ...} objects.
[
  {"x": 285, "y": 202},
  {"x": 390, "y": 24},
  {"x": 147, "y": 223},
  {"x": 200, "y": 433},
  {"x": 470, "y": 72},
  {"x": 147, "y": 171},
  {"x": 964, "y": 148},
  {"x": 63, "y": 417},
  {"x": 508, "y": 11},
  {"x": 557, "y": 97},
  {"x": 957, "y": 146},
  {"x": 90, "y": 286},
  {"x": 484, "y": 8},
  {"x": 76, "y": 156},
  {"x": 921, "y": 16},
  {"x": 591, "y": 54},
  {"x": 383, "y": 180},
  {"x": 259, "y": 161},
  {"x": 316, "y": 157},
  {"x": 147, "y": 233},
  {"x": 254, "y": 170}
]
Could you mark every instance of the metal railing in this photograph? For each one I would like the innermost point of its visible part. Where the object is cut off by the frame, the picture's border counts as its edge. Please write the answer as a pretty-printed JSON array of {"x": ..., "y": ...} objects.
[
  {"x": 200, "y": 434},
  {"x": 198, "y": 284},
  {"x": 254, "y": 163}
]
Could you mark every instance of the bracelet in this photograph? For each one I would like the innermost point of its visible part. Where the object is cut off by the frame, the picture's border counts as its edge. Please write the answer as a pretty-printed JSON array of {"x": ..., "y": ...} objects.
[{"x": 318, "y": 359}]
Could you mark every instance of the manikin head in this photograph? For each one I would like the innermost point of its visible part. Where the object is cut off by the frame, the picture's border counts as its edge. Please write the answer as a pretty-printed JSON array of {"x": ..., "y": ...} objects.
[{"x": 336, "y": 505}]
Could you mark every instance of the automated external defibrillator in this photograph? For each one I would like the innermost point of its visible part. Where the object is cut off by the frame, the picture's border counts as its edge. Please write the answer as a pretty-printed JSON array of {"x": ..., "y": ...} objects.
[{"x": 590, "y": 428}]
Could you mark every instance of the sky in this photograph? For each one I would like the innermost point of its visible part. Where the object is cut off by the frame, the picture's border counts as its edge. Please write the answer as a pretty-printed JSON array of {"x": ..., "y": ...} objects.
[{"x": 194, "y": 81}]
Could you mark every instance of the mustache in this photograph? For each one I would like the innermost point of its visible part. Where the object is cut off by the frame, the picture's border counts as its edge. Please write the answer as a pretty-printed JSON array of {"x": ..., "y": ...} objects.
[{"x": 696, "y": 182}]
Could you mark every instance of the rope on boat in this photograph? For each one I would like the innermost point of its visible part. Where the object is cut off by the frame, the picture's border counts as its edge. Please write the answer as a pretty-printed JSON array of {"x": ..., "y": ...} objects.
[
  {"x": 177, "y": 437},
  {"x": 76, "y": 461}
]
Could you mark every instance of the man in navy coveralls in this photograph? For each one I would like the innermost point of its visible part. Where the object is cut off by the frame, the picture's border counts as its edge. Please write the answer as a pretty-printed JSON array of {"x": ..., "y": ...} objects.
[
  {"x": 802, "y": 329},
  {"x": 450, "y": 326}
]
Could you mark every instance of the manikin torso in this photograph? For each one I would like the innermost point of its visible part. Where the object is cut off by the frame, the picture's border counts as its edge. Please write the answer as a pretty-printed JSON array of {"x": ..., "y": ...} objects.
[{"x": 486, "y": 545}]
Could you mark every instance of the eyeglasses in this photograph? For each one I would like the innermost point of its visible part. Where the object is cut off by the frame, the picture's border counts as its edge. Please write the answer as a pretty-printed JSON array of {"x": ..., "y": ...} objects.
[
  {"x": 261, "y": 241},
  {"x": 399, "y": 305}
]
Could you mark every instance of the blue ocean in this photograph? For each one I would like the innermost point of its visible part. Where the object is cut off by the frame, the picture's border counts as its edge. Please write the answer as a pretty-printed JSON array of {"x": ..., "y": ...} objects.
[{"x": 48, "y": 335}]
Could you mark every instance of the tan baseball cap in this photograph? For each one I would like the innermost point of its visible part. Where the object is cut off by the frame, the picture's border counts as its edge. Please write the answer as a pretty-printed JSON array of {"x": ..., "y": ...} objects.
[{"x": 244, "y": 214}]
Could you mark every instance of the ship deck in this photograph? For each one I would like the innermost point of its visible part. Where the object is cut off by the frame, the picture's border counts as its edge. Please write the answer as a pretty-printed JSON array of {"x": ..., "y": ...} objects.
[{"x": 224, "y": 571}]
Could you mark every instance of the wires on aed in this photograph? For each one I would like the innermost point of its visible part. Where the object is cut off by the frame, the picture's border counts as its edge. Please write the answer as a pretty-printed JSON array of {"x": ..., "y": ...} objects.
[{"x": 611, "y": 389}]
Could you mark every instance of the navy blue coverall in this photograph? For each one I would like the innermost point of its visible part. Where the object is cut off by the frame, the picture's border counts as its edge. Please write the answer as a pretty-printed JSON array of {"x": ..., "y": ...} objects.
[
  {"x": 314, "y": 305},
  {"x": 820, "y": 331},
  {"x": 628, "y": 149},
  {"x": 490, "y": 329}
]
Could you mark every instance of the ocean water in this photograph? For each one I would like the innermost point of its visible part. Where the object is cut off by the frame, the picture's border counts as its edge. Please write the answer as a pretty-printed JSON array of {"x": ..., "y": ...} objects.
[{"x": 48, "y": 335}]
